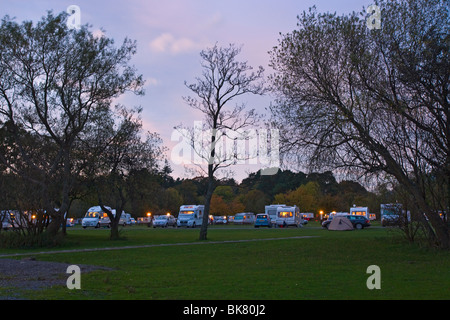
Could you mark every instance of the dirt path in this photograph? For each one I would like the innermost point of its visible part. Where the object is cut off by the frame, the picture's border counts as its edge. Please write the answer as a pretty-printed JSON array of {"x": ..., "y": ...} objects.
[
  {"x": 149, "y": 246},
  {"x": 29, "y": 274}
]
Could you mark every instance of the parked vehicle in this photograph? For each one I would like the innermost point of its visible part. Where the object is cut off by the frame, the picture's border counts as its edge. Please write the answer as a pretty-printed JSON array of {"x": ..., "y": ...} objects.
[
  {"x": 190, "y": 216},
  {"x": 289, "y": 216},
  {"x": 220, "y": 220},
  {"x": 164, "y": 221},
  {"x": 70, "y": 222},
  {"x": 145, "y": 220},
  {"x": 271, "y": 210},
  {"x": 244, "y": 218},
  {"x": 360, "y": 211},
  {"x": 96, "y": 217},
  {"x": 358, "y": 222},
  {"x": 125, "y": 219},
  {"x": 13, "y": 219},
  {"x": 308, "y": 216},
  {"x": 392, "y": 214},
  {"x": 263, "y": 220},
  {"x": 5, "y": 218}
]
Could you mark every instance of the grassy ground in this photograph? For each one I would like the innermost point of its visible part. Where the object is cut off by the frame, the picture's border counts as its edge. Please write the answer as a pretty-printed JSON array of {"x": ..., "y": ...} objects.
[{"x": 331, "y": 265}]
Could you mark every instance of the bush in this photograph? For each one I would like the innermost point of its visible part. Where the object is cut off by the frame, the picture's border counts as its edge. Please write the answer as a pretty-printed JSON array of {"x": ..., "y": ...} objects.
[{"x": 17, "y": 240}]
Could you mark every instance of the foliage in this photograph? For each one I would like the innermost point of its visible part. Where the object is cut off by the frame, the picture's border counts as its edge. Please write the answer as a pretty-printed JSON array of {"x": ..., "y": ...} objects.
[
  {"x": 371, "y": 103},
  {"x": 55, "y": 86}
]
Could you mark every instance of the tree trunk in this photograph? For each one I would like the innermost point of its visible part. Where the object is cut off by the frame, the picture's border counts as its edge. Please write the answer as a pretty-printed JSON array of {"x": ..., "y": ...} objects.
[
  {"x": 205, "y": 221},
  {"x": 114, "y": 229},
  {"x": 54, "y": 225}
]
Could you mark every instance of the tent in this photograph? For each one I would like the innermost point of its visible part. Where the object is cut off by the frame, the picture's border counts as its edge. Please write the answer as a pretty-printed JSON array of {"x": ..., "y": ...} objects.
[{"x": 340, "y": 224}]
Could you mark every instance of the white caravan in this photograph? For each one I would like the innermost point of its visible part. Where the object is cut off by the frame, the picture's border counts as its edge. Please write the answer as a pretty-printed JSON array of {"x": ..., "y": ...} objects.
[
  {"x": 5, "y": 218},
  {"x": 289, "y": 216},
  {"x": 96, "y": 217},
  {"x": 125, "y": 219},
  {"x": 393, "y": 214},
  {"x": 244, "y": 218},
  {"x": 190, "y": 216},
  {"x": 271, "y": 210},
  {"x": 360, "y": 211}
]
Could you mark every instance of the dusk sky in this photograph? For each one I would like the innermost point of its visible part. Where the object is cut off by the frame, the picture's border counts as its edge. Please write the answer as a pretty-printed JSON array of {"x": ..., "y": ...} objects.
[{"x": 171, "y": 33}]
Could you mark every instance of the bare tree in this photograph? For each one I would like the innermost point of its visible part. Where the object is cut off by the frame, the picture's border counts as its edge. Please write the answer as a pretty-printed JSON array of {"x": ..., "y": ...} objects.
[{"x": 223, "y": 80}]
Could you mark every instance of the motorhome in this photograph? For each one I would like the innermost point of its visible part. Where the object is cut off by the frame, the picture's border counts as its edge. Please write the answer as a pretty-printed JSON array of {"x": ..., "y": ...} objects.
[
  {"x": 289, "y": 216},
  {"x": 308, "y": 216},
  {"x": 244, "y": 218},
  {"x": 190, "y": 216},
  {"x": 360, "y": 211},
  {"x": 125, "y": 219},
  {"x": 13, "y": 219},
  {"x": 393, "y": 214},
  {"x": 271, "y": 210},
  {"x": 5, "y": 218},
  {"x": 96, "y": 217}
]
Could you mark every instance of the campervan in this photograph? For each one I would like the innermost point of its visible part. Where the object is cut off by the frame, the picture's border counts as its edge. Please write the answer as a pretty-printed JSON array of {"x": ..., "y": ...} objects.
[
  {"x": 12, "y": 219},
  {"x": 271, "y": 210},
  {"x": 125, "y": 219},
  {"x": 5, "y": 218},
  {"x": 190, "y": 216},
  {"x": 393, "y": 214},
  {"x": 244, "y": 218},
  {"x": 308, "y": 216},
  {"x": 96, "y": 217},
  {"x": 289, "y": 216},
  {"x": 360, "y": 211}
]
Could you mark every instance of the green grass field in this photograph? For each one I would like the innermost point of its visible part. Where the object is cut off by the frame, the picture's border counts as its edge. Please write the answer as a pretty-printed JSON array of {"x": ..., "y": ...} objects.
[{"x": 330, "y": 265}]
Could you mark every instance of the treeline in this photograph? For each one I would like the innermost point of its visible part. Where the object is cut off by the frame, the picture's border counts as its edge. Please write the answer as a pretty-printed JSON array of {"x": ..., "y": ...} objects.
[{"x": 159, "y": 193}]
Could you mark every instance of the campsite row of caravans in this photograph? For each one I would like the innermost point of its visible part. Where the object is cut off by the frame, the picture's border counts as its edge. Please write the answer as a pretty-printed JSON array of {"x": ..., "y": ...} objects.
[
  {"x": 192, "y": 215},
  {"x": 284, "y": 216}
]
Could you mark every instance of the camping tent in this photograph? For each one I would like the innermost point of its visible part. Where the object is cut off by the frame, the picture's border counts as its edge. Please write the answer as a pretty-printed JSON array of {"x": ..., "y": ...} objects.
[{"x": 341, "y": 224}]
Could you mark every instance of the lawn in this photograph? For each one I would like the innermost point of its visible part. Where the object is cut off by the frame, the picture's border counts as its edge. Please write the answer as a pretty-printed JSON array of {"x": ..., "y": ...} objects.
[{"x": 329, "y": 265}]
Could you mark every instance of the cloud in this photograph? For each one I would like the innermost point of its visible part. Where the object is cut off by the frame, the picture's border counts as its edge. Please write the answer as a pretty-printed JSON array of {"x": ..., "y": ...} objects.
[
  {"x": 98, "y": 33},
  {"x": 152, "y": 81},
  {"x": 168, "y": 43}
]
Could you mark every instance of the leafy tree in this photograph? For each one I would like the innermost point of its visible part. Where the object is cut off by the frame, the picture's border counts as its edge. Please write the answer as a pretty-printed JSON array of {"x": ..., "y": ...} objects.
[
  {"x": 254, "y": 201},
  {"x": 226, "y": 192},
  {"x": 52, "y": 81},
  {"x": 218, "y": 206},
  {"x": 117, "y": 155},
  {"x": 306, "y": 197}
]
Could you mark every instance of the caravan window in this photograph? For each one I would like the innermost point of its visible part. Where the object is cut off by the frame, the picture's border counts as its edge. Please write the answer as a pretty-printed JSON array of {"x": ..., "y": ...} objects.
[{"x": 285, "y": 214}]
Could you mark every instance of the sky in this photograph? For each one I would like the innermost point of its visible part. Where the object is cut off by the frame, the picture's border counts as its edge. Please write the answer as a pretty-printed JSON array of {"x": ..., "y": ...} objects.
[{"x": 170, "y": 35}]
